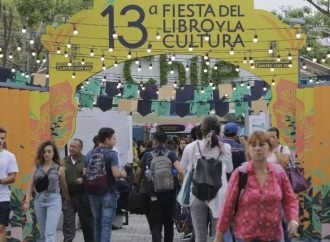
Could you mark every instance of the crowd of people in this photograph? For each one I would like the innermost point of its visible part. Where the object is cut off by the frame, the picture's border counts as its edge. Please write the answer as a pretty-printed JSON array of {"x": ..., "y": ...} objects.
[{"x": 234, "y": 187}]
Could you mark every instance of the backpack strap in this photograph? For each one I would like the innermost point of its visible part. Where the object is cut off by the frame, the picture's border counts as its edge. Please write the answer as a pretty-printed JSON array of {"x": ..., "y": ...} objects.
[
  {"x": 242, "y": 181},
  {"x": 199, "y": 149}
]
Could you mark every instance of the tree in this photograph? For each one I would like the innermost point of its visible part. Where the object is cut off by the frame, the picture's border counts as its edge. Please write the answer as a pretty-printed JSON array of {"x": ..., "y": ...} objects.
[{"x": 322, "y": 6}]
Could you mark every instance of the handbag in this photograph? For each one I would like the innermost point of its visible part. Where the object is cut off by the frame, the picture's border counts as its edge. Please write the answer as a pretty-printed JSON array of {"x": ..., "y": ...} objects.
[
  {"x": 138, "y": 203},
  {"x": 184, "y": 194},
  {"x": 298, "y": 182},
  {"x": 42, "y": 184}
]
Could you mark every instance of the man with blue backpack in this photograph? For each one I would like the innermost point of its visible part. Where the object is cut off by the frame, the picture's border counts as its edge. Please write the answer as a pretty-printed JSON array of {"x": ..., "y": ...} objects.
[
  {"x": 101, "y": 172},
  {"x": 157, "y": 166}
]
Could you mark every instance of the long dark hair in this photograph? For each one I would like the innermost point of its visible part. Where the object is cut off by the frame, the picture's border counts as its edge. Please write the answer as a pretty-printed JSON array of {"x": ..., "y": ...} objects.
[
  {"x": 40, "y": 153},
  {"x": 210, "y": 128}
]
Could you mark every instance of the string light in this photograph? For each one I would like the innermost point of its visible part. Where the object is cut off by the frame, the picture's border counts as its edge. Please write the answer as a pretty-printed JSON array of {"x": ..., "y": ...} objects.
[
  {"x": 237, "y": 68},
  {"x": 278, "y": 59},
  {"x": 175, "y": 84},
  {"x": 137, "y": 62},
  {"x": 83, "y": 61},
  {"x": 207, "y": 62},
  {"x": 213, "y": 87},
  {"x": 309, "y": 47},
  {"x": 264, "y": 88},
  {"x": 270, "y": 50},
  {"x": 119, "y": 84},
  {"x": 13, "y": 70},
  {"x": 248, "y": 86},
  {"x": 91, "y": 53},
  {"x": 38, "y": 61},
  {"x": 158, "y": 37},
  {"x": 68, "y": 45},
  {"x": 255, "y": 38},
  {"x": 207, "y": 37},
  {"x": 202, "y": 90},
  {"x": 104, "y": 79},
  {"x": 187, "y": 68},
  {"x": 173, "y": 57},
  {"x": 242, "y": 84},
  {"x": 205, "y": 70},
  {"x": 323, "y": 59},
  {"x": 75, "y": 31},
  {"x": 273, "y": 82},
  {"x": 150, "y": 66},
  {"x": 73, "y": 75},
  {"x": 102, "y": 57},
  {"x": 231, "y": 52},
  {"x": 206, "y": 57},
  {"x": 314, "y": 59},
  {"x": 298, "y": 34},
  {"x": 191, "y": 48},
  {"x": 70, "y": 63},
  {"x": 1, "y": 54},
  {"x": 139, "y": 68},
  {"x": 10, "y": 56},
  {"x": 290, "y": 56},
  {"x": 328, "y": 54},
  {"x": 33, "y": 53},
  {"x": 253, "y": 66},
  {"x": 149, "y": 48},
  {"x": 234, "y": 87},
  {"x": 116, "y": 63},
  {"x": 172, "y": 70},
  {"x": 272, "y": 69},
  {"x": 31, "y": 42},
  {"x": 104, "y": 66},
  {"x": 129, "y": 55},
  {"x": 24, "y": 30},
  {"x": 215, "y": 67},
  {"x": 47, "y": 75},
  {"x": 244, "y": 60},
  {"x": 169, "y": 61},
  {"x": 114, "y": 35},
  {"x": 58, "y": 51},
  {"x": 110, "y": 50},
  {"x": 44, "y": 59},
  {"x": 290, "y": 64},
  {"x": 66, "y": 55},
  {"x": 19, "y": 48},
  {"x": 87, "y": 82},
  {"x": 304, "y": 65},
  {"x": 251, "y": 60}
]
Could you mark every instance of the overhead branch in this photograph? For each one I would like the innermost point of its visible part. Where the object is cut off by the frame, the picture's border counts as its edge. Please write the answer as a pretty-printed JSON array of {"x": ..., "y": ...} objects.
[{"x": 319, "y": 8}]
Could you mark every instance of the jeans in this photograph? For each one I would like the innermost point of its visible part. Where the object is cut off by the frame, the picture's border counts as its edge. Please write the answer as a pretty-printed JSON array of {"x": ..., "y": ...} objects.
[
  {"x": 103, "y": 209},
  {"x": 79, "y": 204},
  {"x": 48, "y": 208}
]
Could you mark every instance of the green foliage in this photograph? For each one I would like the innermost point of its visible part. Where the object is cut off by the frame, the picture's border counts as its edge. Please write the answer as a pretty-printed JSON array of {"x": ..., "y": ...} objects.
[
  {"x": 225, "y": 71},
  {"x": 127, "y": 72},
  {"x": 182, "y": 72},
  {"x": 204, "y": 75},
  {"x": 194, "y": 71},
  {"x": 164, "y": 68},
  {"x": 151, "y": 81}
]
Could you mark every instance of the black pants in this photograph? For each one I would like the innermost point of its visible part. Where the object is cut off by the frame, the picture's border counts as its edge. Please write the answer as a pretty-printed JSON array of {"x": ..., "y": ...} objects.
[
  {"x": 80, "y": 205},
  {"x": 161, "y": 214}
]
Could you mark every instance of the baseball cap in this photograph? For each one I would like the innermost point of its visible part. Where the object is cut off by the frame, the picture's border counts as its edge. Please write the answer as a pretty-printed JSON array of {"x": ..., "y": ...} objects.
[{"x": 231, "y": 128}]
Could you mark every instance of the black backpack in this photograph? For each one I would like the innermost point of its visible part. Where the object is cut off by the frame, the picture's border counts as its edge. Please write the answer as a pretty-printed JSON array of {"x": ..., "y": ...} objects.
[{"x": 207, "y": 177}]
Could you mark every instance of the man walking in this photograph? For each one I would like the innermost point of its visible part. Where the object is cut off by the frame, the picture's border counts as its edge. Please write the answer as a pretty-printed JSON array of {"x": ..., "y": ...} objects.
[
  {"x": 74, "y": 165},
  {"x": 8, "y": 170}
]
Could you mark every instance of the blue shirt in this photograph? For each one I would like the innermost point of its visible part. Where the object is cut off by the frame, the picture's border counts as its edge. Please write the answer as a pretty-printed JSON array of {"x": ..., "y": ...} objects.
[
  {"x": 111, "y": 159},
  {"x": 237, "y": 151},
  {"x": 161, "y": 149}
]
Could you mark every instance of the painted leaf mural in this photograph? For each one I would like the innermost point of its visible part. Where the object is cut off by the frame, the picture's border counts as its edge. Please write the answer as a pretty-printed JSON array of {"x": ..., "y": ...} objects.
[{"x": 63, "y": 112}]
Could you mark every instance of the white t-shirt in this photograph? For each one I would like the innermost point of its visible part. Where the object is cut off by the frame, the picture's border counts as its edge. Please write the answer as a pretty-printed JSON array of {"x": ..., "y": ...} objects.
[
  {"x": 8, "y": 165},
  {"x": 284, "y": 151},
  {"x": 185, "y": 159},
  {"x": 227, "y": 166}
]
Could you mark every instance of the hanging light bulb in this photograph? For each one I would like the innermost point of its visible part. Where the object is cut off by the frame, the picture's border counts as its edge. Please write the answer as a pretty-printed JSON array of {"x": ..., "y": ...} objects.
[
  {"x": 187, "y": 67},
  {"x": 253, "y": 66},
  {"x": 214, "y": 87},
  {"x": 173, "y": 57},
  {"x": 102, "y": 57},
  {"x": 137, "y": 61},
  {"x": 44, "y": 59},
  {"x": 119, "y": 84},
  {"x": 255, "y": 38},
  {"x": 19, "y": 48},
  {"x": 149, "y": 48},
  {"x": 328, "y": 54},
  {"x": 248, "y": 86},
  {"x": 68, "y": 45},
  {"x": 309, "y": 47},
  {"x": 234, "y": 88},
  {"x": 13, "y": 70},
  {"x": 314, "y": 59},
  {"x": 211, "y": 84},
  {"x": 273, "y": 82},
  {"x": 33, "y": 53},
  {"x": 158, "y": 37},
  {"x": 87, "y": 82},
  {"x": 175, "y": 84},
  {"x": 244, "y": 60},
  {"x": 290, "y": 64},
  {"x": 27, "y": 76},
  {"x": 47, "y": 75},
  {"x": 237, "y": 68},
  {"x": 104, "y": 67},
  {"x": 205, "y": 70},
  {"x": 298, "y": 34},
  {"x": 215, "y": 67},
  {"x": 66, "y": 55},
  {"x": 75, "y": 31},
  {"x": 169, "y": 61},
  {"x": 311, "y": 80},
  {"x": 231, "y": 52},
  {"x": 38, "y": 61},
  {"x": 157, "y": 92},
  {"x": 31, "y": 42},
  {"x": 251, "y": 60},
  {"x": 91, "y": 53},
  {"x": 10, "y": 56},
  {"x": 207, "y": 37},
  {"x": 206, "y": 57},
  {"x": 270, "y": 50},
  {"x": 70, "y": 63},
  {"x": 264, "y": 88},
  {"x": 114, "y": 35},
  {"x": 143, "y": 87},
  {"x": 83, "y": 61},
  {"x": 58, "y": 51},
  {"x": 24, "y": 30},
  {"x": 290, "y": 56},
  {"x": 202, "y": 90},
  {"x": 139, "y": 68},
  {"x": 304, "y": 65},
  {"x": 172, "y": 70},
  {"x": 191, "y": 48},
  {"x": 323, "y": 59},
  {"x": 116, "y": 63},
  {"x": 272, "y": 69},
  {"x": 73, "y": 75},
  {"x": 129, "y": 55},
  {"x": 242, "y": 84},
  {"x": 278, "y": 59},
  {"x": 1, "y": 54},
  {"x": 110, "y": 50},
  {"x": 104, "y": 78},
  {"x": 150, "y": 66},
  {"x": 207, "y": 63}
]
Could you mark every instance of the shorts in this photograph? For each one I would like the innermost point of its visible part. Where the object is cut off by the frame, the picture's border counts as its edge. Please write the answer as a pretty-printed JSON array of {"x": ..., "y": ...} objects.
[{"x": 4, "y": 213}]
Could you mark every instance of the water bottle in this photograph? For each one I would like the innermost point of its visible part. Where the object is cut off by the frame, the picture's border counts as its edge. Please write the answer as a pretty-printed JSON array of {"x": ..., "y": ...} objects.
[{"x": 148, "y": 173}]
